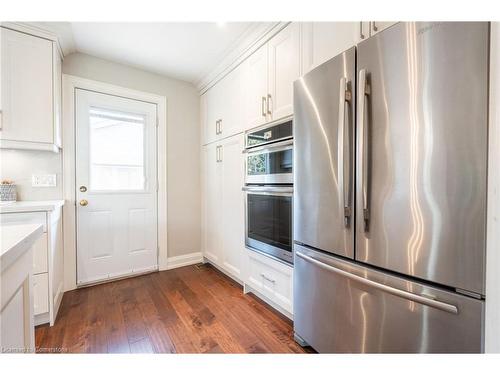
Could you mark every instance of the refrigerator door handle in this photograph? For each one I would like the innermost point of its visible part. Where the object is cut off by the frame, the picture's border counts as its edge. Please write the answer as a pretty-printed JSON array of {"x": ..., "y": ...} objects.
[
  {"x": 364, "y": 92},
  {"x": 345, "y": 98},
  {"x": 385, "y": 288}
]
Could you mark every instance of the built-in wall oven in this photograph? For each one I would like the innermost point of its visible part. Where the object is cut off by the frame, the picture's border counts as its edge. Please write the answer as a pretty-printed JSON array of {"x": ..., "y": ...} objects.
[{"x": 269, "y": 190}]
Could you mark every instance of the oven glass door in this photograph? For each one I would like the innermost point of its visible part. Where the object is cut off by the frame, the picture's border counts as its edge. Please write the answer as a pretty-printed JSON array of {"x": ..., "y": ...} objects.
[
  {"x": 270, "y": 166},
  {"x": 269, "y": 221}
]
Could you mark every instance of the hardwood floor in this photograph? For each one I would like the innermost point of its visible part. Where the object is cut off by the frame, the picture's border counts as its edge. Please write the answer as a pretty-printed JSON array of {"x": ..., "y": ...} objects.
[{"x": 185, "y": 310}]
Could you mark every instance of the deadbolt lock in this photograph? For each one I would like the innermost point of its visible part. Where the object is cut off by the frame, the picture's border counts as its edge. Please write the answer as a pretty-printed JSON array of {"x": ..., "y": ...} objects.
[{"x": 83, "y": 189}]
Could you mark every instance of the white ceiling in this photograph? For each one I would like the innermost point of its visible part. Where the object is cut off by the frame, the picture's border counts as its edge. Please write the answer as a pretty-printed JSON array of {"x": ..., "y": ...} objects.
[{"x": 187, "y": 51}]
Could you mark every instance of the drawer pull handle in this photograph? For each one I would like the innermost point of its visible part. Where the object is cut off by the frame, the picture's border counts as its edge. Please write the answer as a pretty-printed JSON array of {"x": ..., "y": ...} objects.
[{"x": 267, "y": 278}]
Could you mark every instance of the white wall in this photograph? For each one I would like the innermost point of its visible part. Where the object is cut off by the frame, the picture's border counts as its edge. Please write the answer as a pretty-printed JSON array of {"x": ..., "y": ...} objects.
[
  {"x": 492, "y": 323},
  {"x": 183, "y": 140},
  {"x": 19, "y": 165}
]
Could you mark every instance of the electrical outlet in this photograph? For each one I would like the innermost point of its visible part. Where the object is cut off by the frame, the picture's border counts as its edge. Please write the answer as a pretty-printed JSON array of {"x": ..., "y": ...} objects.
[{"x": 43, "y": 180}]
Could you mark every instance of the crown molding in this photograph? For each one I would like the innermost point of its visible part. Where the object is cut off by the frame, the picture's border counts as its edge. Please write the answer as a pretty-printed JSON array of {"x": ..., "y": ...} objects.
[
  {"x": 255, "y": 37},
  {"x": 64, "y": 43},
  {"x": 27, "y": 28}
]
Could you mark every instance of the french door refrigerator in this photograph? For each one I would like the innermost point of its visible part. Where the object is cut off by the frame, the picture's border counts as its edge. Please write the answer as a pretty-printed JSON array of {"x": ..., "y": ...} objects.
[{"x": 390, "y": 193}]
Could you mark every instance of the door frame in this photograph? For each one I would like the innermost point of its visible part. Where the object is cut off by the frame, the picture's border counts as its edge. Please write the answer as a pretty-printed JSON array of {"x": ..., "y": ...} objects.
[{"x": 70, "y": 84}]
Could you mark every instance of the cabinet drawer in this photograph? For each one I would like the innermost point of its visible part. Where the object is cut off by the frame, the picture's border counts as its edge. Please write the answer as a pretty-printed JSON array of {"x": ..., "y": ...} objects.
[
  {"x": 40, "y": 256},
  {"x": 41, "y": 293},
  {"x": 24, "y": 218},
  {"x": 271, "y": 278}
]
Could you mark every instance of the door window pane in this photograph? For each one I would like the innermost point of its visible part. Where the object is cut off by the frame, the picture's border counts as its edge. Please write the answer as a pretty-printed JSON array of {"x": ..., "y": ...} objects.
[{"x": 116, "y": 150}]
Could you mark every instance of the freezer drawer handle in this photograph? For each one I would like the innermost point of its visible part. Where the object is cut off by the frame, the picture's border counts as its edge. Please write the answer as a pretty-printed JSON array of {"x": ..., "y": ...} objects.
[{"x": 394, "y": 291}]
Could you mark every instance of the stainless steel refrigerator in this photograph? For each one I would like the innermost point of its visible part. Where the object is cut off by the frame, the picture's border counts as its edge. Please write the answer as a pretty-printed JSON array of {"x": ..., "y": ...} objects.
[{"x": 390, "y": 193}]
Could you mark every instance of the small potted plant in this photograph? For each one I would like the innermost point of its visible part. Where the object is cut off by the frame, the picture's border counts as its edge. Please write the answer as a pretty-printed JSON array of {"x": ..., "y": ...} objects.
[{"x": 8, "y": 191}]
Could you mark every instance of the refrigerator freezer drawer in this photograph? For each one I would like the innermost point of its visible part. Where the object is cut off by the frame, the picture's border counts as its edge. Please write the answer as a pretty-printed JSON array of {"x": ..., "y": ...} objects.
[{"x": 342, "y": 307}]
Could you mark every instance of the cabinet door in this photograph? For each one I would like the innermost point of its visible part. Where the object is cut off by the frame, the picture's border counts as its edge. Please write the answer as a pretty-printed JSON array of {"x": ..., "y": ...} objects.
[
  {"x": 233, "y": 221},
  {"x": 231, "y": 101},
  {"x": 57, "y": 97},
  {"x": 255, "y": 81},
  {"x": 41, "y": 293},
  {"x": 27, "y": 88},
  {"x": 323, "y": 40},
  {"x": 213, "y": 113},
  {"x": 212, "y": 204},
  {"x": 284, "y": 68},
  {"x": 376, "y": 26},
  {"x": 363, "y": 30}
]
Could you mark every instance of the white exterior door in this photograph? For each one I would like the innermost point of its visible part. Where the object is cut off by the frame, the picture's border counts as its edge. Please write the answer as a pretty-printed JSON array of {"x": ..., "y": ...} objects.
[{"x": 116, "y": 186}]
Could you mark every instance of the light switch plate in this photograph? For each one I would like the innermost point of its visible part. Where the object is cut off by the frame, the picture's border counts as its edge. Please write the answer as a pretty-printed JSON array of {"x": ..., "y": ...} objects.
[{"x": 43, "y": 180}]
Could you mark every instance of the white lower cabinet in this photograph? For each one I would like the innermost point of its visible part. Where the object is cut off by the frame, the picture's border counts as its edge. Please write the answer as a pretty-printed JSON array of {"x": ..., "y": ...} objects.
[
  {"x": 40, "y": 261},
  {"x": 223, "y": 210},
  {"x": 41, "y": 293},
  {"x": 47, "y": 261},
  {"x": 271, "y": 279},
  {"x": 233, "y": 211}
]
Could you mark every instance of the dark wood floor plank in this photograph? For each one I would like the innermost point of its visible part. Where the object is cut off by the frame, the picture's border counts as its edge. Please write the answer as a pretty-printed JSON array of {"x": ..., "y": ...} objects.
[
  {"x": 156, "y": 327},
  {"x": 96, "y": 323},
  {"x": 115, "y": 325},
  {"x": 238, "y": 329},
  {"x": 185, "y": 310},
  {"x": 238, "y": 304}
]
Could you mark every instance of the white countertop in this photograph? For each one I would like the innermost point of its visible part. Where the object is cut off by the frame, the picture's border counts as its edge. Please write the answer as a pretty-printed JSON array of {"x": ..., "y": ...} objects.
[
  {"x": 15, "y": 240},
  {"x": 30, "y": 206}
]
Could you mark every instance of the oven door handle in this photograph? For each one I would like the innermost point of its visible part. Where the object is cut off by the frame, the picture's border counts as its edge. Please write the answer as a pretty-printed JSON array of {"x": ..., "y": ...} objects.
[
  {"x": 272, "y": 190},
  {"x": 278, "y": 146}
]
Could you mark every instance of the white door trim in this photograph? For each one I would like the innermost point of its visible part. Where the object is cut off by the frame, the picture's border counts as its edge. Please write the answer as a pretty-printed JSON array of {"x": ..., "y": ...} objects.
[{"x": 70, "y": 83}]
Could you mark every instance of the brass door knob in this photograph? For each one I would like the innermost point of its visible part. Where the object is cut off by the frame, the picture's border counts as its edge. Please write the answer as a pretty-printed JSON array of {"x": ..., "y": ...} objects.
[{"x": 83, "y": 202}]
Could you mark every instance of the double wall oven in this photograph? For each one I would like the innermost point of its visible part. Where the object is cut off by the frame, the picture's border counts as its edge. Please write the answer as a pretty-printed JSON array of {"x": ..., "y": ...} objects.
[{"x": 269, "y": 190}]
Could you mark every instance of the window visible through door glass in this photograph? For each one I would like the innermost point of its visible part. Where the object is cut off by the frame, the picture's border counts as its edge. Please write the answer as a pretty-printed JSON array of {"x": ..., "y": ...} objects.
[{"x": 116, "y": 150}]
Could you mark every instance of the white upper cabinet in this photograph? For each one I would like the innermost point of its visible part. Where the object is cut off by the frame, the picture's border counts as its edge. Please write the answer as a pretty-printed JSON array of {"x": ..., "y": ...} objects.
[
  {"x": 31, "y": 89},
  {"x": 363, "y": 30},
  {"x": 231, "y": 93},
  {"x": 323, "y": 40},
  {"x": 378, "y": 26},
  {"x": 221, "y": 108},
  {"x": 204, "y": 117},
  {"x": 212, "y": 113},
  {"x": 284, "y": 68},
  {"x": 269, "y": 76},
  {"x": 255, "y": 80}
]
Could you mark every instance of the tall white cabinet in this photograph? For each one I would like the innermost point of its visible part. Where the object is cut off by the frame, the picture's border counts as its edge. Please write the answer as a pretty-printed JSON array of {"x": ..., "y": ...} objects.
[
  {"x": 31, "y": 92},
  {"x": 223, "y": 210}
]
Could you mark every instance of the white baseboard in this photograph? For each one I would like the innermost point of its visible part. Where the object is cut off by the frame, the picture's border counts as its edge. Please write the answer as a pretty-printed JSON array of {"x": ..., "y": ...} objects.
[
  {"x": 248, "y": 289},
  {"x": 225, "y": 272},
  {"x": 57, "y": 301},
  {"x": 184, "y": 260}
]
